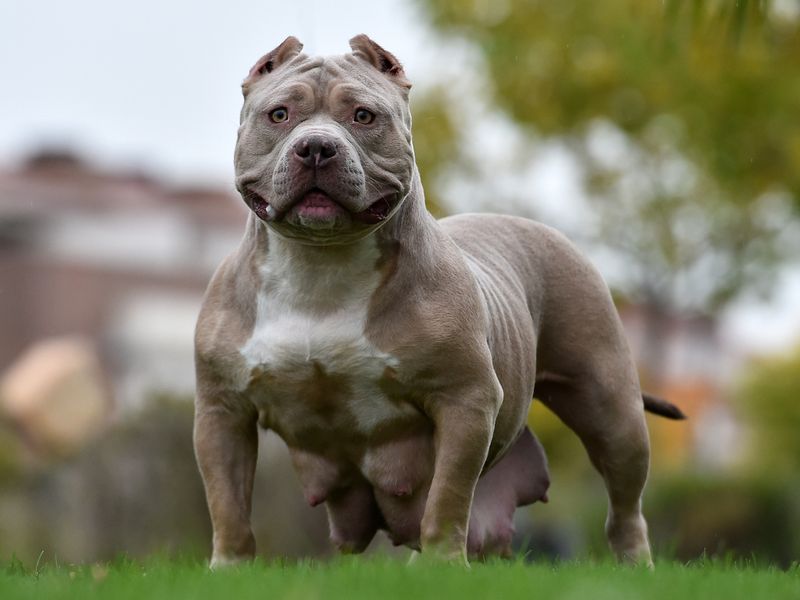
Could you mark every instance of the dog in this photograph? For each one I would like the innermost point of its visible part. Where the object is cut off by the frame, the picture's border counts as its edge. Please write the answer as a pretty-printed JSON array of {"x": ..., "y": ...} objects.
[{"x": 397, "y": 355}]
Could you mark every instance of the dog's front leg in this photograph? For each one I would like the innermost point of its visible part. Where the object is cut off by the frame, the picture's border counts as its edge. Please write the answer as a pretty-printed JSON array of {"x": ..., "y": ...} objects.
[
  {"x": 226, "y": 446},
  {"x": 463, "y": 431}
]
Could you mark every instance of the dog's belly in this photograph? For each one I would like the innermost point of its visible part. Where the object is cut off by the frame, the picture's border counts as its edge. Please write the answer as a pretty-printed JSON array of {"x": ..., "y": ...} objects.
[
  {"x": 401, "y": 473},
  {"x": 322, "y": 387},
  {"x": 388, "y": 486},
  {"x": 365, "y": 453}
]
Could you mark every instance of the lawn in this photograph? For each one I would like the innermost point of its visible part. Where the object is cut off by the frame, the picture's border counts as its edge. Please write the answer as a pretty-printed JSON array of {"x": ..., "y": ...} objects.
[{"x": 383, "y": 579}]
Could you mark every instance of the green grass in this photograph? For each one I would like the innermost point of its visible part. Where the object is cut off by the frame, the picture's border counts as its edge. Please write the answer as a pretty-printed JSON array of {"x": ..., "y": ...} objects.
[{"x": 383, "y": 579}]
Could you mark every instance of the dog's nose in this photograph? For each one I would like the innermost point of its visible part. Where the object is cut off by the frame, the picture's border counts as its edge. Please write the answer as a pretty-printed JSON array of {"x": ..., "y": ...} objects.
[{"x": 315, "y": 151}]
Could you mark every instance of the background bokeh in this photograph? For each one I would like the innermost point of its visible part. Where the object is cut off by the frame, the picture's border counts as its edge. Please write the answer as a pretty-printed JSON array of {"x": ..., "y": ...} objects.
[{"x": 663, "y": 137}]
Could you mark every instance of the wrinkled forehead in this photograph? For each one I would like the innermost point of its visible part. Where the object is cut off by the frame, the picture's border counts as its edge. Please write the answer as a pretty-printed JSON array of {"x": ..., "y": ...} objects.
[{"x": 325, "y": 79}]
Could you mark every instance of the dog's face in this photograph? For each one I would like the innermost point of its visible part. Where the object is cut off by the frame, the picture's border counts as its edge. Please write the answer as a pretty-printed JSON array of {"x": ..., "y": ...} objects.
[{"x": 324, "y": 152}]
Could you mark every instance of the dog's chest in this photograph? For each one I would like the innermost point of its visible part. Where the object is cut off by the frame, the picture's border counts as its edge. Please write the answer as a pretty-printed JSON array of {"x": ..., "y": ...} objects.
[{"x": 314, "y": 375}]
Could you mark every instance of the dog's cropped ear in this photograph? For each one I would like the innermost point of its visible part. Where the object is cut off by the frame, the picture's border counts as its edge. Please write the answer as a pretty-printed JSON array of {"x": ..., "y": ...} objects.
[
  {"x": 287, "y": 50},
  {"x": 365, "y": 49}
]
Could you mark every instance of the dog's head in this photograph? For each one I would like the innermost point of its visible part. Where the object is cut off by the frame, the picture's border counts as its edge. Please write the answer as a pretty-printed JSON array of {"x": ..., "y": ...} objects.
[{"x": 324, "y": 150}]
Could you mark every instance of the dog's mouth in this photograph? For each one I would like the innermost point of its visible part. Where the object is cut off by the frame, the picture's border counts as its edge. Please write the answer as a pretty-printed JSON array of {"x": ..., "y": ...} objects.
[
  {"x": 263, "y": 209},
  {"x": 377, "y": 211},
  {"x": 315, "y": 204}
]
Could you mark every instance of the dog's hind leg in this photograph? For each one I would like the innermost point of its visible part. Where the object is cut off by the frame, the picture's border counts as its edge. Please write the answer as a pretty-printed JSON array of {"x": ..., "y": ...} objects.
[{"x": 609, "y": 420}]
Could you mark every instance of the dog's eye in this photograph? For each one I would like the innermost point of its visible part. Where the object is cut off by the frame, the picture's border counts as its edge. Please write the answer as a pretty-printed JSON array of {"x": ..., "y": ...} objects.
[
  {"x": 279, "y": 115},
  {"x": 363, "y": 116}
]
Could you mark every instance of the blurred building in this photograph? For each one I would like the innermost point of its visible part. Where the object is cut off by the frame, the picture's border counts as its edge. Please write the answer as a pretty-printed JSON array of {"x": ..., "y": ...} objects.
[
  {"x": 685, "y": 359},
  {"x": 122, "y": 260},
  {"x": 118, "y": 258}
]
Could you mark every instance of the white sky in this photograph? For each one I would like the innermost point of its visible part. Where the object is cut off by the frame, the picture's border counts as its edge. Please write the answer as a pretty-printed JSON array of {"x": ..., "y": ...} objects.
[{"x": 155, "y": 84}]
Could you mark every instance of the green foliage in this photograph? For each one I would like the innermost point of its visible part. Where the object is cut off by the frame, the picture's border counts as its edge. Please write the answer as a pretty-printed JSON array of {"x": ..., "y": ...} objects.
[
  {"x": 698, "y": 101},
  {"x": 359, "y": 578},
  {"x": 739, "y": 516},
  {"x": 434, "y": 138},
  {"x": 728, "y": 75},
  {"x": 768, "y": 399}
]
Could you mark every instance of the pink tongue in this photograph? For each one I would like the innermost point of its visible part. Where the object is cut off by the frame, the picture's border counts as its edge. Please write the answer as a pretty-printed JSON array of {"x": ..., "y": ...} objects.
[{"x": 317, "y": 204}]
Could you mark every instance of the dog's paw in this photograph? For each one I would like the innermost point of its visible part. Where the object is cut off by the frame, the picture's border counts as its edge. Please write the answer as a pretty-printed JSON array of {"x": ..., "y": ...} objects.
[
  {"x": 439, "y": 556},
  {"x": 221, "y": 561},
  {"x": 628, "y": 540}
]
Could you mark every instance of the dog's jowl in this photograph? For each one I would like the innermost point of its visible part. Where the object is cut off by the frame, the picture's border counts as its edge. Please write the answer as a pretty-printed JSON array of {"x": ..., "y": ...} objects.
[{"x": 397, "y": 355}]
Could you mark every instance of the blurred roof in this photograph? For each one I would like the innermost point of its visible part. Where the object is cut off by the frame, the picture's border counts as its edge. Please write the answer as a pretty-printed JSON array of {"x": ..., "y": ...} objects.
[{"x": 54, "y": 181}]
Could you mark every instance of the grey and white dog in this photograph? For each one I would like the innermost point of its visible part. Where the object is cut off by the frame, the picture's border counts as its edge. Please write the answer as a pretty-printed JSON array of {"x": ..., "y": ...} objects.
[{"x": 397, "y": 355}]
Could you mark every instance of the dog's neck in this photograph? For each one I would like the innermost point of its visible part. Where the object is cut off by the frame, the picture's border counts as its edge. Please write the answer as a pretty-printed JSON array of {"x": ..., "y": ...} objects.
[
  {"x": 409, "y": 229},
  {"x": 411, "y": 224}
]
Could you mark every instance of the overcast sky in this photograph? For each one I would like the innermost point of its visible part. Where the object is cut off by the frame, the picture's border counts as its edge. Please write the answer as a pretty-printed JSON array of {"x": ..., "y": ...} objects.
[{"x": 154, "y": 84}]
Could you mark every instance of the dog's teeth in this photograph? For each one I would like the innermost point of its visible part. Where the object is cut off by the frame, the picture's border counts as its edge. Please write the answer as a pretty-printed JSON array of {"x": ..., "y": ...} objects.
[{"x": 271, "y": 213}]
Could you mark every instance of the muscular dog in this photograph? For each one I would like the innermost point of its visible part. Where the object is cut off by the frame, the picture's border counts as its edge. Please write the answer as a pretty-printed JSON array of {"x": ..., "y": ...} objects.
[{"x": 397, "y": 355}]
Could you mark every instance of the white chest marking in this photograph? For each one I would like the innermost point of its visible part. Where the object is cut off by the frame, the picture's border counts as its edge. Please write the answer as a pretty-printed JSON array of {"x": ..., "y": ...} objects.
[{"x": 311, "y": 314}]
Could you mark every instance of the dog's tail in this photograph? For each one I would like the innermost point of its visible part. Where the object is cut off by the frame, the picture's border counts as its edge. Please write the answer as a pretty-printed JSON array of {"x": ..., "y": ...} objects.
[{"x": 659, "y": 406}]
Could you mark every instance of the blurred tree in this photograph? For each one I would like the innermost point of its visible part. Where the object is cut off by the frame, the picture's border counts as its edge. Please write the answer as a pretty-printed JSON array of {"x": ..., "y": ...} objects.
[
  {"x": 768, "y": 398},
  {"x": 682, "y": 116},
  {"x": 434, "y": 139}
]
